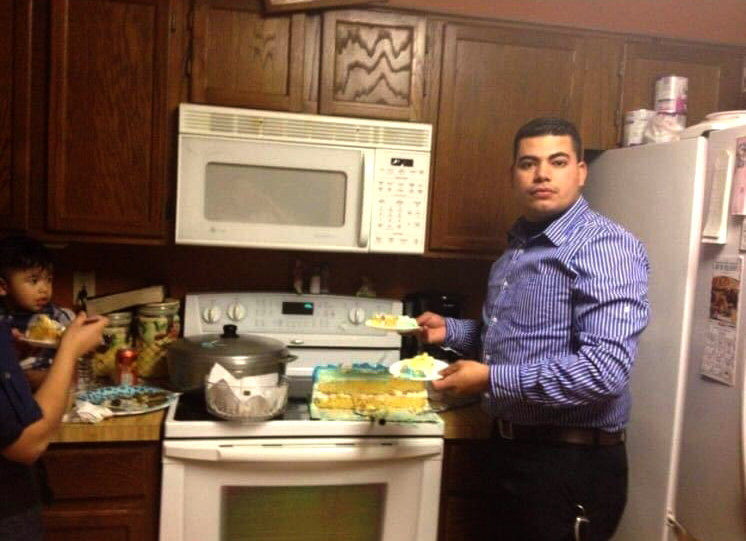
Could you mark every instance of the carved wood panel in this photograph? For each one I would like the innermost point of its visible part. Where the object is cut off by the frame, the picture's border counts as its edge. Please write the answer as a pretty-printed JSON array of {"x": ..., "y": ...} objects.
[{"x": 372, "y": 65}]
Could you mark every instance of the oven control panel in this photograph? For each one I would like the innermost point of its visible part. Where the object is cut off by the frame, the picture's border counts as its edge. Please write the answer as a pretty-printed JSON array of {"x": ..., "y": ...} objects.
[{"x": 318, "y": 320}]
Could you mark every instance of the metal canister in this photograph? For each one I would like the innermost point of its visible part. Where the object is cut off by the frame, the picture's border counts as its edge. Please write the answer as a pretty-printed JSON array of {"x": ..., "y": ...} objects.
[
  {"x": 671, "y": 93},
  {"x": 635, "y": 123},
  {"x": 158, "y": 325},
  {"x": 117, "y": 334}
]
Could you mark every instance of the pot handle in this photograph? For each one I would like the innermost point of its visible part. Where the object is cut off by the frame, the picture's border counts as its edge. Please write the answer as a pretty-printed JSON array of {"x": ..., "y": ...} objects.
[{"x": 289, "y": 359}]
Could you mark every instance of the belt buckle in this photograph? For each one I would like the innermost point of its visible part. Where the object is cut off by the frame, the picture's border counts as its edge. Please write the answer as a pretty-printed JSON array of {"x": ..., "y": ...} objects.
[{"x": 505, "y": 428}]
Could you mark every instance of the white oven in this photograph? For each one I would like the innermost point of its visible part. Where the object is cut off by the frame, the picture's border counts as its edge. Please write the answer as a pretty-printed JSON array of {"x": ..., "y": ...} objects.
[
  {"x": 294, "y": 478},
  {"x": 309, "y": 182}
]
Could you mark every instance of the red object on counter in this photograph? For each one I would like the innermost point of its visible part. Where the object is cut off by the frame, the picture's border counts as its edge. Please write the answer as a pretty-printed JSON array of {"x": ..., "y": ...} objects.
[{"x": 126, "y": 366}]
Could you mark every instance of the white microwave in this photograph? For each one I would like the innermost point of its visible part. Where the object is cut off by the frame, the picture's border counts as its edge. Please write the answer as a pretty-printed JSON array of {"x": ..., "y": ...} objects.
[{"x": 267, "y": 179}]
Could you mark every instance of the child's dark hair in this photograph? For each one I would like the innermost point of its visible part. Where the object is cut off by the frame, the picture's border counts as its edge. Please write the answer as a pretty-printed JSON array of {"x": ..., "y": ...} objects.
[{"x": 23, "y": 253}]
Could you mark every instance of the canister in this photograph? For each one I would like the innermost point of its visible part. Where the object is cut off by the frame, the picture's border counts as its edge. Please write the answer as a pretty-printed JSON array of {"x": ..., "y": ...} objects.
[
  {"x": 671, "y": 93},
  {"x": 635, "y": 123},
  {"x": 157, "y": 325},
  {"x": 117, "y": 334}
]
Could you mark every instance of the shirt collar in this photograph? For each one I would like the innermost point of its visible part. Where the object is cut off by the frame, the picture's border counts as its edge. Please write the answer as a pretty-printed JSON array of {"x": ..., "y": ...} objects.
[{"x": 558, "y": 229}]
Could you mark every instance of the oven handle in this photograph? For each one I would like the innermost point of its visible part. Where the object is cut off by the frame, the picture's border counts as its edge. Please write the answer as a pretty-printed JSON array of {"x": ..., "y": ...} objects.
[{"x": 300, "y": 452}]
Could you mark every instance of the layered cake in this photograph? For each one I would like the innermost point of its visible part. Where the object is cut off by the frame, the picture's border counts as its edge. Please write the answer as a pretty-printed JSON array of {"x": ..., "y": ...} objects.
[{"x": 352, "y": 392}]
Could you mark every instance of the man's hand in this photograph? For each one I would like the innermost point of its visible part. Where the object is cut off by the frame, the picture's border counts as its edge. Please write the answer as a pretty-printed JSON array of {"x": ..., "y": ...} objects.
[
  {"x": 464, "y": 378},
  {"x": 432, "y": 328}
]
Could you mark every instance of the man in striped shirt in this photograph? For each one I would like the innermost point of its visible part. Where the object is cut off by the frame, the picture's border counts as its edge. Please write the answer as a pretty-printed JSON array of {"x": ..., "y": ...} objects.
[{"x": 552, "y": 354}]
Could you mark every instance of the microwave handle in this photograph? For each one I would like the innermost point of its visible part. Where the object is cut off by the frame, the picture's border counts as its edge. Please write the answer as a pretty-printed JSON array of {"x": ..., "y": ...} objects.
[{"x": 367, "y": 170}]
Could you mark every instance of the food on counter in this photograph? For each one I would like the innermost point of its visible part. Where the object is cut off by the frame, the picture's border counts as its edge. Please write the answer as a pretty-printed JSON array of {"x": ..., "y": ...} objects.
[
  {"x": 346, "y": 391},
  {"x": 419, "y": 366},
  {"x": 44, "y": 329},
  {"x": 393, "y": 322}
]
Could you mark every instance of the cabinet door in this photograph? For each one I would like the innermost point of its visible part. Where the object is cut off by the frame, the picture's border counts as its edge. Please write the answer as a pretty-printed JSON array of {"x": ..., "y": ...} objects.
[
  {"x": 714, "y": 75},
  {"x": 107, "y": 119},
  {"x": 372, "y": 65},
  {"x": 15, "y": 112},
  {"x": 493, "y": 80},
  {"x": 242, "y": 58},
  {"x": 103, "y": 491}
]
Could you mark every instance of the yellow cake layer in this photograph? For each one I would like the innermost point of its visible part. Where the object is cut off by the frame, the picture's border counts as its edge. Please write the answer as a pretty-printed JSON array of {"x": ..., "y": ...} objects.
[
  {"x": 371, "y": 386},
  {"x": 372, "y": 402}
]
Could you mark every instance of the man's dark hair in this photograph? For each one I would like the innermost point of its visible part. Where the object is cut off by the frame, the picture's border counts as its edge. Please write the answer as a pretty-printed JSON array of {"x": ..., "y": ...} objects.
[
  {"x": 549, "y": 126},
  {"x": 23, "y": 253}
]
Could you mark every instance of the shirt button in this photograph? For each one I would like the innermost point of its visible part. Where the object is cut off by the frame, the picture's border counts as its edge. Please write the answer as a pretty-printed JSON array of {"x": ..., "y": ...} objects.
[
  {"x": 494, "y": 320},
  {"x": 6, "y": 375},
  {"x": 505, "y": 283},
  {"x": 487, "y": 357}
]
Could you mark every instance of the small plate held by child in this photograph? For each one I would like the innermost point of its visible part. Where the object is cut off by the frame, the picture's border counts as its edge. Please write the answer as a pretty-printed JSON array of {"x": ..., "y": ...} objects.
[{"x": 43, "y": 331}]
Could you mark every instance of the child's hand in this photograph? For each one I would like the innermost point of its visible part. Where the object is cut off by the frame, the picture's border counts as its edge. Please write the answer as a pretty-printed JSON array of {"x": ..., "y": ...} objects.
[{"x": 83, "y": 334}]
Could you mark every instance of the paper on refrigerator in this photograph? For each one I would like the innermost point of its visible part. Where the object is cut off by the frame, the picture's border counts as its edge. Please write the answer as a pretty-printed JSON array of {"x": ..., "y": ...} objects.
[
  {"x": 738, "y": 197},
  {"x": 719, "y": 357}
]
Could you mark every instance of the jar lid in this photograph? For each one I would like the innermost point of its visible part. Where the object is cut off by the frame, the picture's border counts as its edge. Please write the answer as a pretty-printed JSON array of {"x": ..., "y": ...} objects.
[
  {"x": 167, "y": 307},
  {"x": 119, "y": 318}
]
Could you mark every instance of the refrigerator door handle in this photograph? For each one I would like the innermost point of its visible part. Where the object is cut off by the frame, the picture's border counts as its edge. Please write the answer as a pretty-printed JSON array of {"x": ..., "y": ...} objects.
[{"x": 679, "y": 531}]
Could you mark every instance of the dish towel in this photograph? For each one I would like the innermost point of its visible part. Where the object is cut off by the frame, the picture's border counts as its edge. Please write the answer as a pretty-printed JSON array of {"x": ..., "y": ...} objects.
[{"x": 86, "y": 412}]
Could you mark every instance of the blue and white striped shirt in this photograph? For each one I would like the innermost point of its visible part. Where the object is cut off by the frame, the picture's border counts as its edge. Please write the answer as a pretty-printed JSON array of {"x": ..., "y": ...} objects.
[{"x": 564, "y": 310}]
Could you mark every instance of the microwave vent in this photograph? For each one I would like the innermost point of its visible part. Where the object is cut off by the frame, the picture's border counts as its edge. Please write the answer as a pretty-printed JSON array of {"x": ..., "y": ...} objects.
[{"x": 304, "y": 128}]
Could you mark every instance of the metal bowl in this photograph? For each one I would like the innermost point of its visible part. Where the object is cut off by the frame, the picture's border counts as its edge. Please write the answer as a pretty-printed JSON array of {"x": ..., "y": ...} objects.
[{"x": 190, "y": 359}]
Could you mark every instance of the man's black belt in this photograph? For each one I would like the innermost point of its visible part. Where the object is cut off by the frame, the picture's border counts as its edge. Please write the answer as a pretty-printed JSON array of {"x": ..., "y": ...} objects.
[{"x": 556, "y": 434}]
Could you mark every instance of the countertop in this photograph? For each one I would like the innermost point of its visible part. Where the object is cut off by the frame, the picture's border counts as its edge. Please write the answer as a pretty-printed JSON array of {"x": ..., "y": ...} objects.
[{"x": 466, "y": 422}]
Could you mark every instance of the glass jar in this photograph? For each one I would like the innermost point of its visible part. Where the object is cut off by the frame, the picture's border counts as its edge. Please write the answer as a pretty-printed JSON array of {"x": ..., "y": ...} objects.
[
  {"x": 117, "y": 334},
  {"x": 158, "y": 324}
]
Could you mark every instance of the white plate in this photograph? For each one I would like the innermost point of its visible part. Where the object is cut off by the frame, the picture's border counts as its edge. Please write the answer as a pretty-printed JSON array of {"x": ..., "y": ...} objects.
[
  {"x": 396, "y": 368},
  {"x": 399, "y": 328},
  {"x": 52, "y": 344},
  {"x": 104, "y": 395}
]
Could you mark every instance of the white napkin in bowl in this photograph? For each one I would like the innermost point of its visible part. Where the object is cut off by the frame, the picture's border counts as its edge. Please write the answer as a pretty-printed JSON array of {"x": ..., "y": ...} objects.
[{"x": 247, "y": 397}]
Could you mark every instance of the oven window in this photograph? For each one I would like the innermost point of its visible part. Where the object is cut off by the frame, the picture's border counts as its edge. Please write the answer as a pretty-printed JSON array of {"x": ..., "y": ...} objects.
[
  {"x": 307, "y": 513},
  {"x": 274, "y": 195}
]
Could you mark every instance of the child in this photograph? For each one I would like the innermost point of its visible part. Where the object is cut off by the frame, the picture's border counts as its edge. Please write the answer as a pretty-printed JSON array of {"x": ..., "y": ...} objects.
[{"x": 26, "y": 289}]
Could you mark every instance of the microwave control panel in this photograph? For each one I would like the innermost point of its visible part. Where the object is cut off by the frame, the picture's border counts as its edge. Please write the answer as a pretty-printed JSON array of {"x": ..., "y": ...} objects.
[{"x": 399, "y": 210}]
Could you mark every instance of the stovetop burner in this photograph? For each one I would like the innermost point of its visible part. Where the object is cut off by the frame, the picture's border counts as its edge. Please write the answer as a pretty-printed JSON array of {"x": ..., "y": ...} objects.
[{"x": 192, "y": 407}]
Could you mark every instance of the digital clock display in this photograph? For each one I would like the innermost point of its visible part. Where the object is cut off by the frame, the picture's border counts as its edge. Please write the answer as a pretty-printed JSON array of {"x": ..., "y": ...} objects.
[
  {"x": 297, "y": 308},
  {"x": 402, "y": 162}
]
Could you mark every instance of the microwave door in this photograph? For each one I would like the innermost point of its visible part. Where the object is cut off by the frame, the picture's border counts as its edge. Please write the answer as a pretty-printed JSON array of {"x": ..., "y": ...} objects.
[{"x": 272, "y": 194}]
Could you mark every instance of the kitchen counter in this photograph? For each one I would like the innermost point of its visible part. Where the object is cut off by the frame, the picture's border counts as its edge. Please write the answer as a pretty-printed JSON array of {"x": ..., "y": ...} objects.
[
  {"x": 144, "y": 427},
  {"x": 466, "y": 422}
]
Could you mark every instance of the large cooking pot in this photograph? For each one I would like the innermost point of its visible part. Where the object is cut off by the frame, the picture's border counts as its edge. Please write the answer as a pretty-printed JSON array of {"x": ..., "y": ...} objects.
[{"x": 190, "y": 359}]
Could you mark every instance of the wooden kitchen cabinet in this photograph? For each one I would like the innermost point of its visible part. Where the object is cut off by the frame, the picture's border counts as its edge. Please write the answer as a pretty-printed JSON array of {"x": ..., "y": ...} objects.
[
  {"x": 492, "y": 80},
  {"x": 714, "y": 74},
  {"x": 108, "y": 118},
  {"x": 466, "y": 500},
  {"x": 103, "y": 491},
  {"x": 372, "y": 64},
  {"x": 240, "y": 57},
  {"x": 19, "y": 112}
]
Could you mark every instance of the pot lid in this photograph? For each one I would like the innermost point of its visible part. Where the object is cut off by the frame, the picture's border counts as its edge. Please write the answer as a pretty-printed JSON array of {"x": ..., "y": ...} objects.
[{"x": 230, "y": 346}]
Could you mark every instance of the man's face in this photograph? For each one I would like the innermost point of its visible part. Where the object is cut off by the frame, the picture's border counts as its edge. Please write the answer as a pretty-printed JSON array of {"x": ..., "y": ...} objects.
[
  {"x": 547, "y": 176},
  {"x": 28, "y": 289}
]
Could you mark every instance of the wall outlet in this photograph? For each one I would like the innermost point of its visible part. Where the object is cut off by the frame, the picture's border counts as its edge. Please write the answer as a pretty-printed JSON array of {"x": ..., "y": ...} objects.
[{"x": 84, "y": 283}]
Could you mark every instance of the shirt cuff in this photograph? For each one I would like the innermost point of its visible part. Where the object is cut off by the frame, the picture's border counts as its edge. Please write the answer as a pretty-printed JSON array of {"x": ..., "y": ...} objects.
[
  {"x": 461, "y": 334},
  {"x": 505, "y": 382}
]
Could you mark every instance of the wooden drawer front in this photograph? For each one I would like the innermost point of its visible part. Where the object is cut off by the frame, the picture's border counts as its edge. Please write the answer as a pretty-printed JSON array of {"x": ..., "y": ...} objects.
[
  {"x": 98, "y": 525},
  {"x": 466, "y": 466},
  {"x": 101, "y": 472}
]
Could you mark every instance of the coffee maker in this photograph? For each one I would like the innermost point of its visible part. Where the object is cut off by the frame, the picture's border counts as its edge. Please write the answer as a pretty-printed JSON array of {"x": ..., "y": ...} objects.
[{"x": 442, "y": 303}]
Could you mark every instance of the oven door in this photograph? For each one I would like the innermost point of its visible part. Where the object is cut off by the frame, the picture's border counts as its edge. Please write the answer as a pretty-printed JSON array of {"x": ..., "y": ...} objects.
[
  {"x": 377, "y": 489},
  {"x": 269, "y": 194}
]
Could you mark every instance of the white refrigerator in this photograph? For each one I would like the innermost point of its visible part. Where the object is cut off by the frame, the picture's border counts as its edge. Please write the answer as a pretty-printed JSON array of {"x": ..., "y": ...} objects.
[{"x": 686, "y": 433}]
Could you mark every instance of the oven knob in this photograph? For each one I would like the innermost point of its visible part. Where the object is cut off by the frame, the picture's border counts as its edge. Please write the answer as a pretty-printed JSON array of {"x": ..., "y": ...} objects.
[
  {"x": 236, "y": 311},
  {"x": 211, "y": 314},
  {"x": 356, "y": 315}
]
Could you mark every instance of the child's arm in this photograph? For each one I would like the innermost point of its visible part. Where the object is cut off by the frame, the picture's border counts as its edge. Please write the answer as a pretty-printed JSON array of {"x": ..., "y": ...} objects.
[{"x": 81, "y": 336}]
